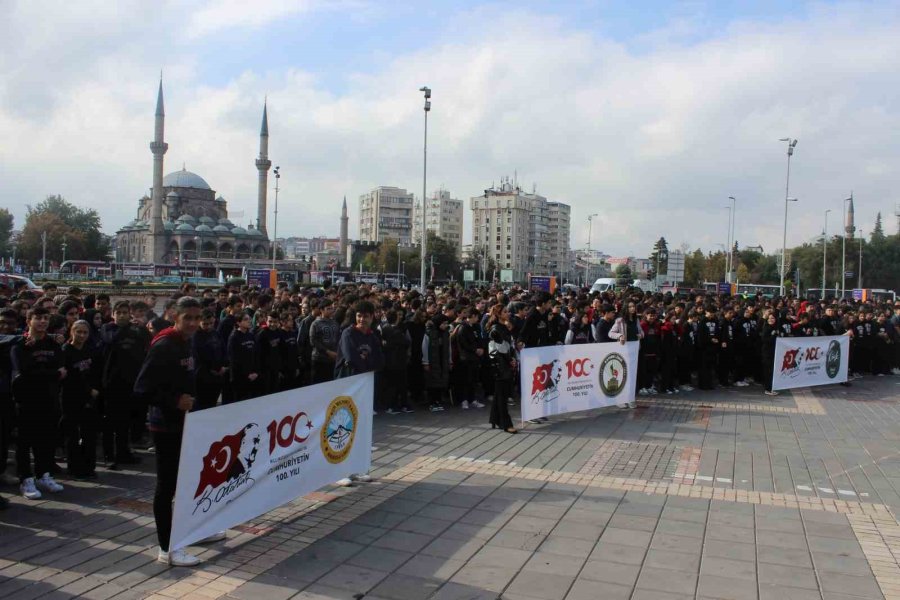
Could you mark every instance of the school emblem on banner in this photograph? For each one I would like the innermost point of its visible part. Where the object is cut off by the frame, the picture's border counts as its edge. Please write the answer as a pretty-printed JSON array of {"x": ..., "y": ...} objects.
[
  {"x": 833, "y": 359},
  {"x": 613, "y": 374},
  {"x": 340, "y": 429}
]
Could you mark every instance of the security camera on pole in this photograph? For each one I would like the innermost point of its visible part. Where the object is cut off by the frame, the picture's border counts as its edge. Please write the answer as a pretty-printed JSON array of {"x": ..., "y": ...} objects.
[{"x": 791, "y": 144}]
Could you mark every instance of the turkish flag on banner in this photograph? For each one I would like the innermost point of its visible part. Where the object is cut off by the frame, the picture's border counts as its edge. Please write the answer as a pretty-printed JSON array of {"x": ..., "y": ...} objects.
[{"x": 218, "y": 461}]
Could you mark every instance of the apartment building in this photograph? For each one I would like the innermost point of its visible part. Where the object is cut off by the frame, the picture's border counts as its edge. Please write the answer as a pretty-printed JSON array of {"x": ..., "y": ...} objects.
[{"x": 386, "y": 213}]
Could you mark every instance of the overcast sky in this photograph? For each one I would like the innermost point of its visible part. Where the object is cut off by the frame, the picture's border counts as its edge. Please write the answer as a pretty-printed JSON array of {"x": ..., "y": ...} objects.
[{"x": 649, "y": 113}]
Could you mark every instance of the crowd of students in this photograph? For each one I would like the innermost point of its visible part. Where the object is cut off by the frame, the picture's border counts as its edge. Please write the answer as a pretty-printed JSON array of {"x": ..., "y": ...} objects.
[{"x": 71, "y": 364}]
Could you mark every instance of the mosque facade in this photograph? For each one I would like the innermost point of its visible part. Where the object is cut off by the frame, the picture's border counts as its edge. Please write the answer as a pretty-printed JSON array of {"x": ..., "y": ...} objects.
[{"x": 183, "y": 221}]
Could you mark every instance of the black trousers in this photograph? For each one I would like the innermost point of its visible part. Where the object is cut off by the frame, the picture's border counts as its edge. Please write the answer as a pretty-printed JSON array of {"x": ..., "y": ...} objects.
[
  {"x": 117, "y": 420},
  {"x": 499, "y": 407},
  {"x": 207, "y": 394},
  {"x": 648, "y": 367},
  {"x": 726, "y": 363},
  {"x": 80, "y": 424},
  {"x": 395, "y": 388},
  {"x": 243, "y": 389},
  {"x": 707, "y": 369},
  {"x": 7, "y": 417},
  {"x": 322, "y": 371},
  {"x": 38, "y": 436},
  {"x": 168, "y": 451},
  {"x": 767, "y": 366}
]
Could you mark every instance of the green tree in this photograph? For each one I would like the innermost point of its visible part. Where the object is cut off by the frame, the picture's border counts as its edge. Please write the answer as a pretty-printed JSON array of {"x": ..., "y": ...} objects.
[
  {"x": 694, "y": 265},
  {"x": 661, "y": 250},
  {"x": 878, "y": 232},
  {"x": 714, "y": 269},
  {"x": 62, "y": 221},
  {"x": 6, "y": 228},
  {"x": 446, "y": 264},
  {"x": 624, "y": 275}
]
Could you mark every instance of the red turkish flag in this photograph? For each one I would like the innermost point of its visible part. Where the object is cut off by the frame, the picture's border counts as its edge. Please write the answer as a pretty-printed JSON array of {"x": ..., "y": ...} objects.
[
  {"x": 218, "y": 462},
  {"x": 542, "y": 379}
]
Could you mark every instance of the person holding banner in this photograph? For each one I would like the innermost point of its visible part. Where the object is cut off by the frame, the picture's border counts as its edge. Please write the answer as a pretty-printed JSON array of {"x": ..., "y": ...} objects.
[
  {"x": 503, "y": 369},
  {"x": 359, "y": 351},
  {"x": 167, "y": 381}
]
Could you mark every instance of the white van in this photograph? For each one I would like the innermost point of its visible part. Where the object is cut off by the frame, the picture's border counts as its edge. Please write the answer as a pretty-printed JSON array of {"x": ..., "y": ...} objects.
[{"x": 604, "y": 284}]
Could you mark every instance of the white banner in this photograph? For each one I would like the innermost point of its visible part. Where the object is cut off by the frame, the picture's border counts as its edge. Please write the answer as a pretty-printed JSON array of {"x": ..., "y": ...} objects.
[
  {"x": 808, "y": 361},
  {"x": 564, "y": 379},
  {"x": 244, "y": 459}
]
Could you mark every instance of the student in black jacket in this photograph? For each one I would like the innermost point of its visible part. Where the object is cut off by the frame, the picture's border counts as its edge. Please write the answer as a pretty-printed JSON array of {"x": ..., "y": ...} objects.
[
  {"x": 535, "y": 331},
  {"x": 243, "y": 360},
  {"x": 707, "y": 349},
  {"x": 167, "y": 381},
  {"x": 37, "y": 369},
  {"x": 268, "y": 343},
  {"x": 80, "y": 394},
  {"x": 209, "y": 351},
  {"x": 767, "y": 338},
  {"x": 290, "y": 353},
  {"x": 125, "y": 347}
]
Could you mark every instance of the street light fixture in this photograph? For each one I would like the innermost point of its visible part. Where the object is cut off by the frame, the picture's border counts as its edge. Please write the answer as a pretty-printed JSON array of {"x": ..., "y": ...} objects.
[
  {"x": 859, "y": 267},
  {"x": 275, "y": 227},
  {"x": 427, "y": 91},
  {"x": 728, "y": 244},
  {"x": 791, "y": 144},
  {"x": 731, "y": 238},
  {"x": 824, "y": 251}
]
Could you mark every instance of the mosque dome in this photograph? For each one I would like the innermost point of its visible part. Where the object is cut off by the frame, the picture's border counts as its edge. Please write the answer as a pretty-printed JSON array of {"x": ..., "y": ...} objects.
[
  {"x": 226, "y": 222},
  {"x": 255, "y": 232},
  {"x": 186, "y": 218},
  {"x": 169, "y": 225},
  {"x": 203, "y": 229},
  {"x": 185, "y": 179},
  {"x": 172, "y": 195},
  {"x": 185, "y": 227},
  {"x": 221, "y": 229},
  {"x": 204, "y": 220},
  {"x": 239, "y": 231}
]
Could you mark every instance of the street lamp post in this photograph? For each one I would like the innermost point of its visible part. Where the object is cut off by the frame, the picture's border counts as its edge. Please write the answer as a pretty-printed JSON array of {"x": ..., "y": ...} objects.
[
  {"x": 44, "y": 255},
  {"x": 844, "y": 250},
  {"x": 733, "y": 220},
  {"x": 791, "y": 143},
  {"x": 859, "y": 275},
  {"x": 427, "y": 91},
  {"x": 587, "y": 261},
  {"x": 728, "y": 244},
  {"x": 64, "y": 246},
  {"x": 277, "y": 172},
  {"x": 824, "y": 251}
]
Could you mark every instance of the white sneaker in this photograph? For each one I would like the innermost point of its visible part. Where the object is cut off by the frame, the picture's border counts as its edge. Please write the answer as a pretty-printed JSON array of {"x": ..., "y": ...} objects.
[
  {"x": 345, "y": 482},
  {"x": 178, "y": 558},
  {"x": 464, "y": 405},
  {"x": 28, "y": 490},
  {"x": 741, "y": 383},
  {"x": 895, "y": 371},
  {"x": 770, "y": 393},
  {"x": 365, "y": 478},
  {"x": 643, "y": 392},
  {"x": 687, "y": 388},
  {"x": 216, "y": 537},
  {"x": 48, "y": 484},
  {"x": 632, "y": 404},
  {"x": 622, "y": 406},
  {"x": 477, "y": 404},
  {"x": 652, "y": 391}
]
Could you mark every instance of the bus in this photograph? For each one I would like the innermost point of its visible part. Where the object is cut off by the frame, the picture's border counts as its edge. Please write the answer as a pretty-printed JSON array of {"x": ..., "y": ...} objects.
[
  {"x": 745, "y": 289},
  {"x": 87, "y": 269}
]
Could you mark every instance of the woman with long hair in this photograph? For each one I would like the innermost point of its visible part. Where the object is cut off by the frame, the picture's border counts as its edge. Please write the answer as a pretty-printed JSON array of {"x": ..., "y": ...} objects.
[{"x": 501, "y": 350}]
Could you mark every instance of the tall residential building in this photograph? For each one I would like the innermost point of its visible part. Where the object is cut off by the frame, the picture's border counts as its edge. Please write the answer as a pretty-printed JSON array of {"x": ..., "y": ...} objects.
[
  {"x": 445, "y": 219},
  {"x": 521, "y": 231},
  {"x": 386, "y": 212}
]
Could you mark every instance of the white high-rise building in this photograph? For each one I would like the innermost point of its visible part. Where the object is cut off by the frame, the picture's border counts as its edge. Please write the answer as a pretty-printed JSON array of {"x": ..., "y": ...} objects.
[
  {"x": 521, "y": 231},
  {"x": 445, "y": 219},
  {"x": 386, "y": 212}
]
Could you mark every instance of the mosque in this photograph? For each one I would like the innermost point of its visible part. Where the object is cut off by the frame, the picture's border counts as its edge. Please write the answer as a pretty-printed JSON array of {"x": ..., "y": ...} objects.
[{"x": 184, "y": 222}]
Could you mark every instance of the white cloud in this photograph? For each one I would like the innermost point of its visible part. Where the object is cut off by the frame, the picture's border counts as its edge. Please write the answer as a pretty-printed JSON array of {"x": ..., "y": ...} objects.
[{"x": 654, "y": 140}]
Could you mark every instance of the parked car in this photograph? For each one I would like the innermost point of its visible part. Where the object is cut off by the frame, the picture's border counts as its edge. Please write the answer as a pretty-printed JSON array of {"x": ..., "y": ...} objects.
[{"x": 8, "y": 283}]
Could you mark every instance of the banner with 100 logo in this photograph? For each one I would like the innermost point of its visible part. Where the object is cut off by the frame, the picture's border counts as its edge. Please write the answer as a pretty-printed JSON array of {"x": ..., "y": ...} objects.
[{"x": 244, "y": 459}]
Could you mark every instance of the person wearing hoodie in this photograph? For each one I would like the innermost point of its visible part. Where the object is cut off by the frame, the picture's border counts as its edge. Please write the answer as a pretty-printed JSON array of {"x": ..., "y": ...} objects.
[
  {"x": 209, "y": 351},
  {"x": 770, "y": 333},
  {"x": 502, "y": 353},
  {"x": 668, "y": 354},
  {"x": 397, "y": 343},
  {"x": 436, "y": 361},
  {"x": 37, "y": 369},
  {"x": 167, "y": 382},
  {"x": 469, "y": 357},
  {"x": 324, "y": 337},
  {"x": 580, "y": 330},
  {"x": 648, "y": 358},
  {"x": 243, "y": 360},
  {"x": 125, "y": 347},
  {"x": 268, "y": 343},
  {"x": 708, "y": 344},
  {"x": 80, "y": 393}
]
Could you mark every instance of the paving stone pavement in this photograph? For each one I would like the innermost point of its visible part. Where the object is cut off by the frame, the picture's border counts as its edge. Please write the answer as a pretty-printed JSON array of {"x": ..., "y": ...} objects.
[{"x": 726, "y": 494}]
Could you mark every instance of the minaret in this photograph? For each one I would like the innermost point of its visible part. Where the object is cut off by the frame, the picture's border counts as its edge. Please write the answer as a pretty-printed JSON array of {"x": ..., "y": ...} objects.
[
  {"x": 345, "y": 221},
  {"x": 849, "y": 226},
  {"x": 262, "y": 165},
  {"x": 158, "y": 147}
]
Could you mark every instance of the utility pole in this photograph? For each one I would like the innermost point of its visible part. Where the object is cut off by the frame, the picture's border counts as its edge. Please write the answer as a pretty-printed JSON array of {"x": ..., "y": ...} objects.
[
  {"x": 64, "y": 245},
  {"x": 427, "y": 91}
]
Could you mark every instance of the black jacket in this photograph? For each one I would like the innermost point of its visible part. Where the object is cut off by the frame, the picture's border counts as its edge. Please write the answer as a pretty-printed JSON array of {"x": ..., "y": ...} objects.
[
  {"x": 166, "y": 374},
  {"x": 35, "y": 374},
  {"x": 209, "y": 350},
  {"x": 242, "y": 356},
  {"x": 125, "y": 349}
]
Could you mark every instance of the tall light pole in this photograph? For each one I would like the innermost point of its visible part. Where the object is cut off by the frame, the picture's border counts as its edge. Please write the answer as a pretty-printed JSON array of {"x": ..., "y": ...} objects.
[
  {"x": 64, "y": 246},
  {"x": 44, "y": 255},
  {"x": 728, "y": 245},
  {"x": 731, "y": 242},
  {"x": 791, "y": 144},
  {"x": 277, "y": 172},
  {"x": 587, "y": 262},
  {"x": 859, "y": 274},
  {"x": 824, "y": 251},
  {"x": 844, "y": 250},
  {"x": 427, "y": 91}
]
